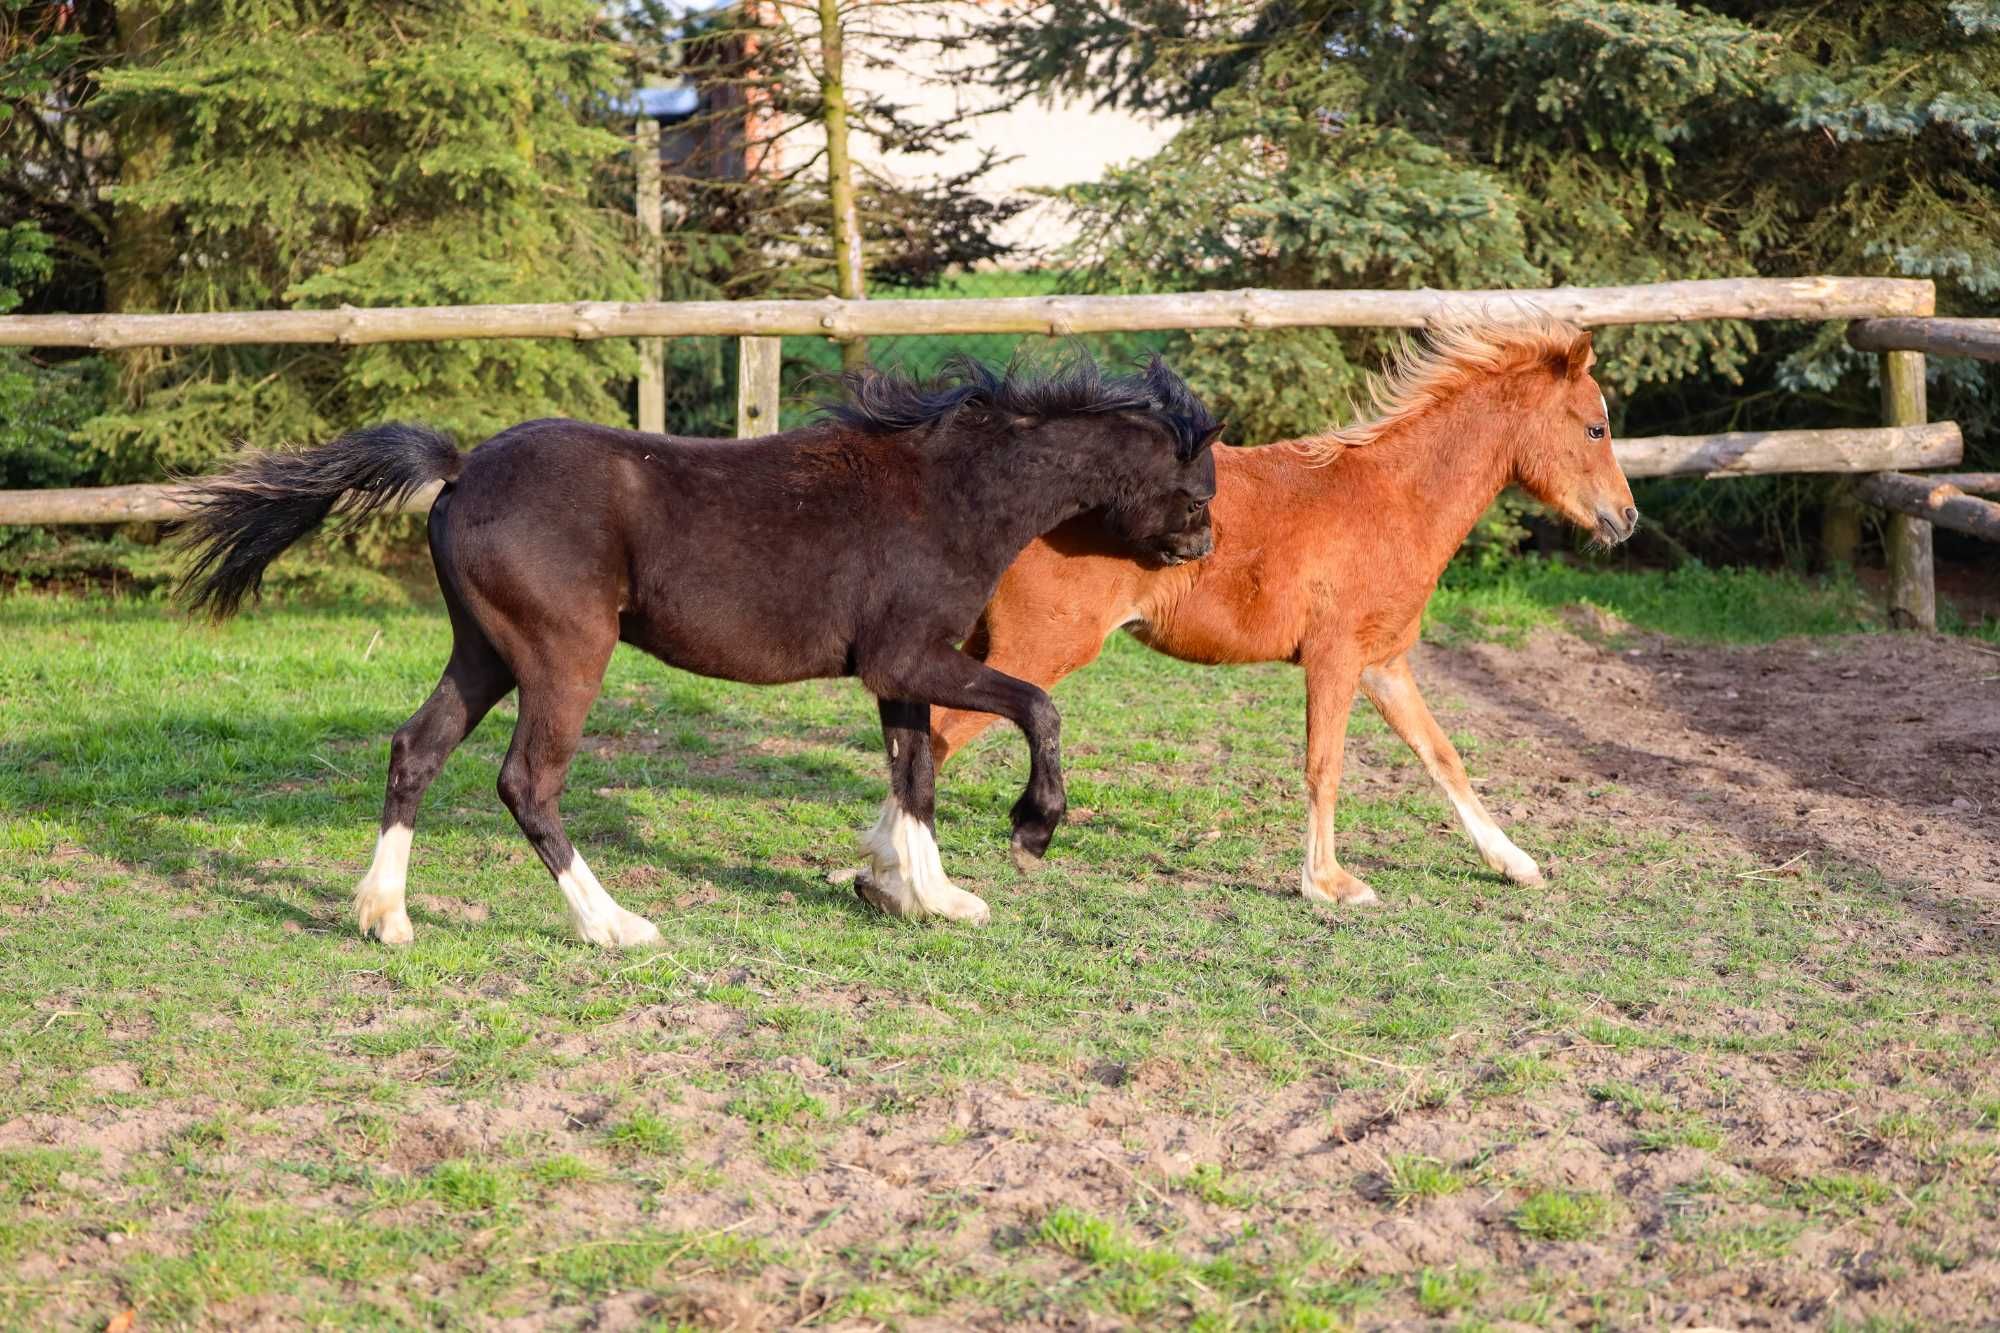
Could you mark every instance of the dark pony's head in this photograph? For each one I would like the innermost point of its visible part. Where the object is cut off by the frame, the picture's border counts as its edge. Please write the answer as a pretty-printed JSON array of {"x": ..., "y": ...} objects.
[{"x": 1157, "y": 498}]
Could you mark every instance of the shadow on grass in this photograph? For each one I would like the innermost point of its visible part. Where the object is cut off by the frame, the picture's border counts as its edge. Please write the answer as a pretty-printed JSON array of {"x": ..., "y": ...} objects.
[{"x": 148, "y": 791}]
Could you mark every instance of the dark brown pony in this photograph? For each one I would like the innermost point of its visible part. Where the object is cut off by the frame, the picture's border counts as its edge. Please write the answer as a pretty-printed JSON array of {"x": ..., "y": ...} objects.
[
  {"x": 863, "y": 546},
  {"x": 1327, "y": 550}
]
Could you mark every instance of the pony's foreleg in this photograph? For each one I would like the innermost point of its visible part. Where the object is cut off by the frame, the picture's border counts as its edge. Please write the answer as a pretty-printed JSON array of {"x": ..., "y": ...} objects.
[
  {"x": 1392, "y": 688},
  {"x": 905, "y": 876},
  {"x": 1330, "y": 682},
  {"x": 950, "y": 679},
  {"x": 1040, "y": 652},
  {"x": 474, "y": 680}
]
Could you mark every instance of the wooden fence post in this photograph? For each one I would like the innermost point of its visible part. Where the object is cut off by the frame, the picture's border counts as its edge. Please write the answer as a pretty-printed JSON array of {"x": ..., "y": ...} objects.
[
  {"x": 1912, "y": 576},
  {"x": 757, "y": 364},
  {"x": 652, "y": 351},
  {"x": 1840, "y": 525}
]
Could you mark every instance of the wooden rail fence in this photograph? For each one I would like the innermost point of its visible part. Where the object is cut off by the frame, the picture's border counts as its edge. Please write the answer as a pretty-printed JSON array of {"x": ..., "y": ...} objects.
[
  {"x": 1664, "y": 302},
  {"x": 1913, "y": 503},
  {"x": 1892, "y": 317}
]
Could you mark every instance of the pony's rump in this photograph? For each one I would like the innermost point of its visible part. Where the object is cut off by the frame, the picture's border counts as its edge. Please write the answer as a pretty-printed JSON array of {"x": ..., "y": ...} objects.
[{"x": 248, "y": 516}]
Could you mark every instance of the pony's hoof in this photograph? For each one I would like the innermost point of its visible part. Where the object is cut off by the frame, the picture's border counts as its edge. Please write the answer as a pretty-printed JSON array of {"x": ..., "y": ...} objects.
[
  {"x": 1343, "y": 890},
  {"x": 389, "y": 927},
  {"x": 949, "y": 902},
  {"x": 868, "y": 892},
  {"x": 1503, "y": 857},
  {"x": 626, "y": 930},
  {"x": 967, "y": 908},
  {"x": 382, "y": 918},
  {"x": 1025, "y": 861}
]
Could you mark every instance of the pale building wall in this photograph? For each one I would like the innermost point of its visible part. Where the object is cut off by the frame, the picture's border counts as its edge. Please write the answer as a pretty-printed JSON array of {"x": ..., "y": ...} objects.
[{"x": 1056, "y": 144}]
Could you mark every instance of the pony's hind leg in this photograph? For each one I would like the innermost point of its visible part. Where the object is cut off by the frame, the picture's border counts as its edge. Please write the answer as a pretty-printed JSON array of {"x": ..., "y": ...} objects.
[
  {"x": 905, "y": 876},
  {"x": 1392, "y": 688},
  {"x": 555, "y": 697},
  {"x": 474, "y": 680}
]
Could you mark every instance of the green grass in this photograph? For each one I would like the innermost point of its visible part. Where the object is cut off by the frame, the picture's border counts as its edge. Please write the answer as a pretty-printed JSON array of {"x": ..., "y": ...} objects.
[
  {"x": 1158, "y": 1089},
  {"x": 647, "y": 1133},
  {"x": 1562, "y": 1215},
  {"x": 1412, "y": 1179},
  {"x": 1724, "y": 605}
]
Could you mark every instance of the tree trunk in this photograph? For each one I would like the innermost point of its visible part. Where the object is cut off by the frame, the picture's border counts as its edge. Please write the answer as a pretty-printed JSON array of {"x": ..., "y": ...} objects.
[
  {"x": 142, "y": 239},
  {"x": 840, "y": 173}
]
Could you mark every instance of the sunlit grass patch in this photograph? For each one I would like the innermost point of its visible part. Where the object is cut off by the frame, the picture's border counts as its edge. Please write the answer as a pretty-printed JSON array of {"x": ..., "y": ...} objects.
[
  {"x": 1562, "y": 1215},
  {"x": 644, "y": 1132},
  {"x": 1412, "y": 1179}
]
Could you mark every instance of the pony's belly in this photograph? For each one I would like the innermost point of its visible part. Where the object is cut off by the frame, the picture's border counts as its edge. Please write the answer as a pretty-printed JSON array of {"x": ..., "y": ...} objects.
[
  {"x": 730, "y": 645},
  {"x": 1219, "y": 621}
]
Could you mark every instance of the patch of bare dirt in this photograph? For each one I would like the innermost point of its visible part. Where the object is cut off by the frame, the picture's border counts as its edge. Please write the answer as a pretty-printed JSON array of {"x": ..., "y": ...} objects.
[
  {"x": 974, "y": 1171},
  {"x": 1878, "y": 751}
]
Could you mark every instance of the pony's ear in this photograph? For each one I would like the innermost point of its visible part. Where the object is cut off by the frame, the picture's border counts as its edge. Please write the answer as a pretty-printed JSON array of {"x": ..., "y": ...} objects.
[
  {"x": 1578, "y": 360},
  {"x": 1211, "y": 437}
]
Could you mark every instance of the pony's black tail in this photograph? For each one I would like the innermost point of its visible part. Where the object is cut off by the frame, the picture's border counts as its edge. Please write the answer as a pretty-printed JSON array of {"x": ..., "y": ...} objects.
[{"x": 250, "y": 515}]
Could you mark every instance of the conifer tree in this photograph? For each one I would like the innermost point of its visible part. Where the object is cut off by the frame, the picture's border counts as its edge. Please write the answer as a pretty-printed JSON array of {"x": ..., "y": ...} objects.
[
  {"x": 314, "y": 153},
  {"x": 48, "y": 227},
  {"x": 1478, "y": 143}
]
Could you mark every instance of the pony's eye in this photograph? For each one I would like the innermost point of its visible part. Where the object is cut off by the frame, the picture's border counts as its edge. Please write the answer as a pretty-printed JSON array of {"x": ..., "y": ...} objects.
[{"x": 1596, "y": 432}]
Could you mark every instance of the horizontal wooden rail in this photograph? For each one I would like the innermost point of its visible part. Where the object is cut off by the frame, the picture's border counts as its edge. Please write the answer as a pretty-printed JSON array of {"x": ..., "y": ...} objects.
[
  {"x": 1978, "y": 338},
  {"x": 152, "y": 503},
  {"x": 1741, "y": 454},
  {"x": 1664, "y": 302},
  {"x": 1761, "y": 452},
  {"x": 1923, "y": 497},
  {"x": 1972, "y": 483}
]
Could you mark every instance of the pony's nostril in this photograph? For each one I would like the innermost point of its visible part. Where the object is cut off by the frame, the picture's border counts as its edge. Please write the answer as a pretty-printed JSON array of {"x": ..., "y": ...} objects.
[{"x": 1631, "y": 515}]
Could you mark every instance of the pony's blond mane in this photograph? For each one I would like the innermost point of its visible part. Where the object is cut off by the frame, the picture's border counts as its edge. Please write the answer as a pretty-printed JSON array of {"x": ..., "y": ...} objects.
[{"x": 1454, "y": 353}]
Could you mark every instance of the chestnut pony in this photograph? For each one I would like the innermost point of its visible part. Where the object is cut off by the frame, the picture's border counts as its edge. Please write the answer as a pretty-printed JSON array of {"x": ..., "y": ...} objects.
[
  {"x": 862, "y": 546},
  {"x": 1327, "y": 550}
]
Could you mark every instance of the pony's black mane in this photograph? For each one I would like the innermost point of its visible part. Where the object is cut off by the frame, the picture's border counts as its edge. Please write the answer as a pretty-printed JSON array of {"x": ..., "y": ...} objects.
[{"x": 881, "y": 402}]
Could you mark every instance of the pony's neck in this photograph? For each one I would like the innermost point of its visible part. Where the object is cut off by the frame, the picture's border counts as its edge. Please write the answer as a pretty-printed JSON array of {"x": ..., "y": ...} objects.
[
  {"x": 1015, "y": 488},
  {"x": 1439, "y": 471}
]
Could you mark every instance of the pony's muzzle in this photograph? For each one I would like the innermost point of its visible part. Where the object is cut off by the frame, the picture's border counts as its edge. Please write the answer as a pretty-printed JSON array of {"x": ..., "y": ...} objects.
[
  {"x": 1180, "y": 550},
  {"x": 1617, "y": 525}
]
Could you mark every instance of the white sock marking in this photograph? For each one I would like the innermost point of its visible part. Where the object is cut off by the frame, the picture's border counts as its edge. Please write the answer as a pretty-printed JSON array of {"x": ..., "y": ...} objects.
[
  {"x": 596, "y": 915},
  {"x": 907, "y": 874},
  {"x": 378, "y": 899},
  {"x": 1495, "y": 847}
]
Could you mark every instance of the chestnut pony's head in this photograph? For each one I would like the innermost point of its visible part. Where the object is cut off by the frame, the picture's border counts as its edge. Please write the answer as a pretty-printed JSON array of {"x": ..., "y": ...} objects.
[
  {"x": 1552, "y": 432},
  {"x": 1563, "y": 455}
]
